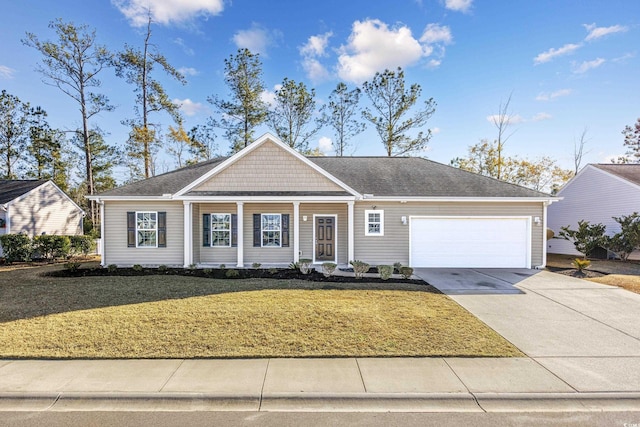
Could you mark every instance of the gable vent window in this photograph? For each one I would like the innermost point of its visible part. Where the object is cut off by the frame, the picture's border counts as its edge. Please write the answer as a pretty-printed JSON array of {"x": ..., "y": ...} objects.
[{"x": 374, "y": 223}]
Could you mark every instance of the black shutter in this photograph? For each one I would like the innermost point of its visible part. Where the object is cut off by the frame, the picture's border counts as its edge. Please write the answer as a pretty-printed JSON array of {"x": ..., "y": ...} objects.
[
  {"x": 131, "y": 229},
  {"x": 234, "y": 230},
  {"x": 285, "y": 230},
  {"x": 256, "y": 230},
  {"x": 162, "y": 229},
  {"x": 206, "y": 230}
]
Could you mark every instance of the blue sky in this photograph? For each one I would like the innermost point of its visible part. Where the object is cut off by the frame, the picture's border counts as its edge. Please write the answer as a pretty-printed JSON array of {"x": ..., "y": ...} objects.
[{"x": 568, "y": 64}]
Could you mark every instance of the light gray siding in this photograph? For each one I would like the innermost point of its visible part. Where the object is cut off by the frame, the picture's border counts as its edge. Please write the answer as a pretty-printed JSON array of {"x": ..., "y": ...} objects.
[
  {"x": 266, "y": 255},
  {"x": 212, "y": 255},
  {"x": 594, "y": 196},
  {"x": 306, "y": 228},
  {"x": 45, "y": 209},
  {"x": 394, "y": 245},
  {"x": 115, "y": 226}
]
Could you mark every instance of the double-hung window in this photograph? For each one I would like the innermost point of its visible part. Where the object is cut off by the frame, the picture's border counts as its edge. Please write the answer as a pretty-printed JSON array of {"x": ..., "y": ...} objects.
[
  {"x": 221, "y": 229},
  {"x": 147, "y": 229},
  {"x": 271, "y": 230},
  {"x": 374, "y": 223}
]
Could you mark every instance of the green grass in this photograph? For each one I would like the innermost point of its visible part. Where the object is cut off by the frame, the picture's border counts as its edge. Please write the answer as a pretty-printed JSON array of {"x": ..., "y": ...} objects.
[{"x": 186, "y": 317}]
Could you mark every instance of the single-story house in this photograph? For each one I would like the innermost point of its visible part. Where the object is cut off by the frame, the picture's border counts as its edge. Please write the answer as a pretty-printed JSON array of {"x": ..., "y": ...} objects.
[
  {"x": 271, "y": 205},
  {"x": 596, "y": 194},
  {"x": 37, "y": 207}
]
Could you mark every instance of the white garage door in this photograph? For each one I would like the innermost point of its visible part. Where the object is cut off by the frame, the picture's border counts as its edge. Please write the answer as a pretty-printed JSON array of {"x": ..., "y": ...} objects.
[{"x": 470, "y": 242}]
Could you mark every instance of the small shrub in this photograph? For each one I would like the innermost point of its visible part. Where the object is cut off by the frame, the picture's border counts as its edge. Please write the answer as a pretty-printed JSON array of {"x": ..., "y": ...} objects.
[
  {"x": 163, "y": 268},
  {"x": 256, "y": 265},
  {"x": 72, "y": 266},
  {"x": 587, "y": 238},
  {"x": 581, "y": 264},
  {"x": 385, "y": 271},
  {"x": 137, "y": 267},
  {"x": 192, "y": 266},
  {"x": 232, "y": 274},
  {"x": 273, "y": 270},
  {"x": 406, "y": 272},
  {"x": 294, "y": 266},
  {"x": 50, "y": 246},
  {"x": 397, "y": 265},
  {"x": 112, "y": 268},
  {"x": 305, "y": 266},
  {"x": 359, "y": 268},
  {"x": 328, "y": 268},
  {"x": 207, "y": 271},
  {"x": 82, "y": 244},
  {"x": 16, "y": 247},
  {"x": 222, "y": 266}
]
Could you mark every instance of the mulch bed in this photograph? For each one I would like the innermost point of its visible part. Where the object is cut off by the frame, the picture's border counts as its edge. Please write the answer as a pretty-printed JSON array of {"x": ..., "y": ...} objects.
[
  {"x": 584, "y": 274},
  {"x": 223, "y": 273}
]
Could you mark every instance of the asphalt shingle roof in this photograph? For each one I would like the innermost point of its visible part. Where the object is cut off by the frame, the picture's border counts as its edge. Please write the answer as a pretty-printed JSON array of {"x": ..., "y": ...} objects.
[
  {"x": 380, "y": 176},
  {"x": 13, "y": 188},
  {"x": 415, "y": 177},
  {"x": 630, "y": 172}
]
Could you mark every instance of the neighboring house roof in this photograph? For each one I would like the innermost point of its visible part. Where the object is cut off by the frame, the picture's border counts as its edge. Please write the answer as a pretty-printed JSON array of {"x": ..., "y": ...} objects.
[
  {"x": 11, "y": 189},
  {"x": 630, "y": 172}
]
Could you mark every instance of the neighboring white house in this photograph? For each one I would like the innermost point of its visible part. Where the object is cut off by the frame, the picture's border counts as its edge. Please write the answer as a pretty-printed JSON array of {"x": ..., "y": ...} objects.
[
  {"x": 596, "y": 194},
  {"x": 37, "y": 207},
  {"x": 269, "y": 204}
]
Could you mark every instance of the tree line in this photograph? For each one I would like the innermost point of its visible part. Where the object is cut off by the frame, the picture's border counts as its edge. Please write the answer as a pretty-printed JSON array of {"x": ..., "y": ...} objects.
[{"x": 74, "y": 62}]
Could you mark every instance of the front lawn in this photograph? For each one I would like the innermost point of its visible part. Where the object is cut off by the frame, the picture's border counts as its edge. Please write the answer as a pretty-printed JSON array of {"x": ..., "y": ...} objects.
[
  {"x": 187, "y": 317},
  {"x": 630, "y": 283}
]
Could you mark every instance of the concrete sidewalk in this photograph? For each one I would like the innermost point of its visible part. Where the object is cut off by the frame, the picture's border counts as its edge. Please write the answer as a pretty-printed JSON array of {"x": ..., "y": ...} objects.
[{"x": 351, "y": 384}]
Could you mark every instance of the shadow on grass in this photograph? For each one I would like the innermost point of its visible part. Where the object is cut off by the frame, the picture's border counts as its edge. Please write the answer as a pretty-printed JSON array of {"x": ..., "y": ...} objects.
[{"x": 34, "y": 292}]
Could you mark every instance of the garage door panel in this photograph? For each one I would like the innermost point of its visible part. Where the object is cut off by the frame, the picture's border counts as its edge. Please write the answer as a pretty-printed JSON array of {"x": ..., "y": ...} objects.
[{"x": 470, "y": 242}]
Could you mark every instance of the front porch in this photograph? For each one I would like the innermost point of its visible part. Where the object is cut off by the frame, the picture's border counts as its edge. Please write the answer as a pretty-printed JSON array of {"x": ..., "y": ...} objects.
[{"x": 269, "y": 231}]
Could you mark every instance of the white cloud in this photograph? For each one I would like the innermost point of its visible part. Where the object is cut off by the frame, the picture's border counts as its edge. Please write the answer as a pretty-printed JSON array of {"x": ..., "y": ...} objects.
[
  {"x": 186, "y": 49},
  {"x": 373, "y": 46},
  {"x": 316, "y": 45},
  {"x": 188, "y": 71},
  {"x": 541, "y": 116},
  {"x": 325, "y": 145},
  {"x": 597, "y": 32},
  {"x": 587, "y": 65},
  {"x": 552, "y": 53},
  {"x": 435, "y": 131},
  {"x": 434, "y": 63},
  {"x": 167, "y": 11},
  {"x": 624, "y": 58},
  {"x": 190, "y": 108},
  {"x": 547, "y": 96},
  {"x": 513, "y": 120},
  {"x": 435, "y": 33},
  {"x": 269, "y": 97},
  {"x": 257, "y": 39},
  {"x": 6, "y": 72},
  {"x": 458, "y": 5}
]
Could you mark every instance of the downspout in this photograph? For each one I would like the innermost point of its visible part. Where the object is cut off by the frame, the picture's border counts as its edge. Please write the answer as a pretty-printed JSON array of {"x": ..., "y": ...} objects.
[{"x": 103, "y": 261}]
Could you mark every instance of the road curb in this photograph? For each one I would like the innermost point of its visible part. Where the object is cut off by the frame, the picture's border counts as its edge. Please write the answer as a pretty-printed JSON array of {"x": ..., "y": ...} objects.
[{"x": 322, "y": 402}]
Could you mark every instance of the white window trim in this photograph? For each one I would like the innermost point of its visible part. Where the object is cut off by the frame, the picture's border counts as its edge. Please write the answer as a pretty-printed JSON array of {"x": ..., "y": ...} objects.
[
  {"x": 366, "y": 222},
  {"x": 262, "y": 230},
  {"x": 211, "y": 230},
  {"x": 145, "y": 229}
]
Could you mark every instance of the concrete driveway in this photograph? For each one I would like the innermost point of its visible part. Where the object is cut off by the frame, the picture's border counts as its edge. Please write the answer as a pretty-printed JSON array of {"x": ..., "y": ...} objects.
[
  {"x": 584, "y": 332},
  {"x": 475, "y": 281}
]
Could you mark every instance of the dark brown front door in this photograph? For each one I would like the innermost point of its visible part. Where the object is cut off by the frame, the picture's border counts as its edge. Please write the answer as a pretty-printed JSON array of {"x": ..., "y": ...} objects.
[{"x": 325, "y": 238}]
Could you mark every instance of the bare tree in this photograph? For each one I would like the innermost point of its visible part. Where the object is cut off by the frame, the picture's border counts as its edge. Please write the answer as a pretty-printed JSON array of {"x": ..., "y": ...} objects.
[
  {"x": 502, "y": 121},
  {"x": 578, "y": 149}
]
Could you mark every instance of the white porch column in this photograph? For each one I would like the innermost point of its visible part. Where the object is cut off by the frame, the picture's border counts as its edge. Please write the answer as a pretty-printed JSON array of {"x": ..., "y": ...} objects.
[
  {"x": 350, "y": 231},
  {"x": 240, "y": 251},
  {"x": 188, "y": 234},
  {"x": 103, "y": 260},
  {"x": 296, "y": 231}
]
